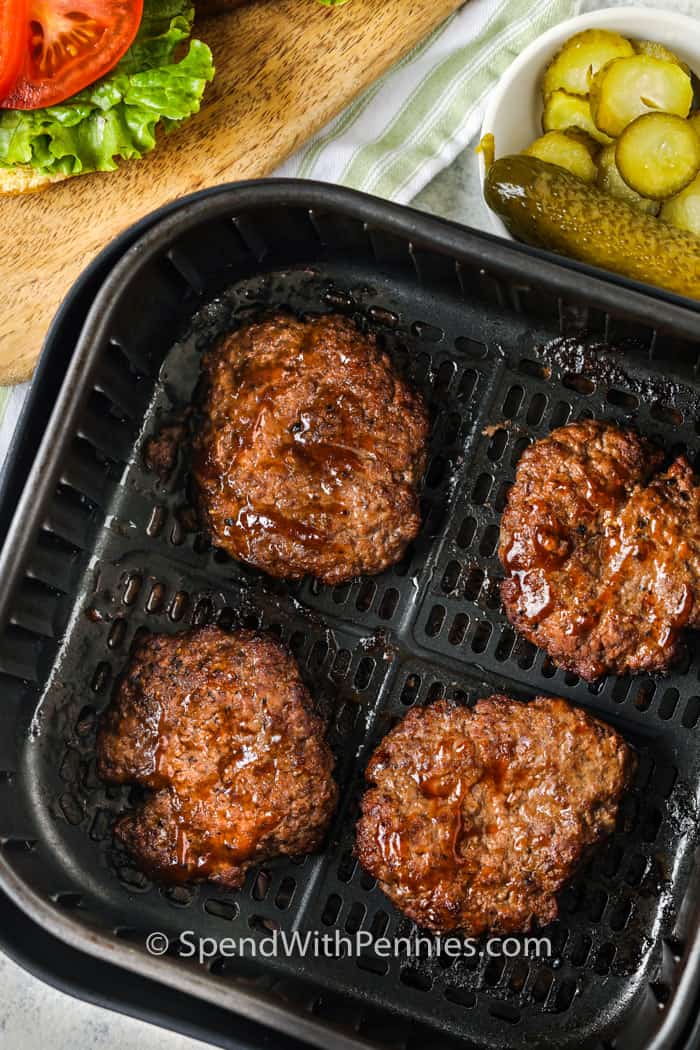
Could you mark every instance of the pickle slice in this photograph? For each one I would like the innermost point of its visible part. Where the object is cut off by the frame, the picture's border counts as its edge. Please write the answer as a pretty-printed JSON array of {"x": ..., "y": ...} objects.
[
  {"x": 651, "y": 47},
  {"x": 580, "y": 58},
  {"x": 566, "y": 151},
  {"x": 658, "y": 154},
  {"x": 563, "y": 112},
  {"x": 628, "y": 87},
  {"x": 610, "y": 181},
  {"x": 683, "y": 210}
]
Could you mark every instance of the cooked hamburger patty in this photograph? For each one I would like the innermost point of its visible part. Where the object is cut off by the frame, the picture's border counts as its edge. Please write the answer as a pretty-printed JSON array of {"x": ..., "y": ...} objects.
[
  {"x": 311, "y": 451},
  {"x": 477, "y": 816},
  {"x": 220, "y": 727},
  {"x": 602, "y": 550}
]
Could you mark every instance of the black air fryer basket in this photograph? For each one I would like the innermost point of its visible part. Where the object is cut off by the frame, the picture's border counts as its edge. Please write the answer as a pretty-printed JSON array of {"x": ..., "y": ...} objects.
[{"x": 506, "y": 344}]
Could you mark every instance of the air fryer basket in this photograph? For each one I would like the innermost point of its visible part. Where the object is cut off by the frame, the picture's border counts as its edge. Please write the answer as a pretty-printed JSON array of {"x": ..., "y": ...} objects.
[{"x": 506, "y": 344}]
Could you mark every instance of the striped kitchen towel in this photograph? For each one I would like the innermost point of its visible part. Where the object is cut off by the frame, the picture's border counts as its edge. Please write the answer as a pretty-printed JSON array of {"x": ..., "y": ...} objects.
[{"x": 413, "y": 121}]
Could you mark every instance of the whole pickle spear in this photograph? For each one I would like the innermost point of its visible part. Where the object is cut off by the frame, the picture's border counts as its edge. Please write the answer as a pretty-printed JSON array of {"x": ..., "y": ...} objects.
[{"x": 548, "y": 207}]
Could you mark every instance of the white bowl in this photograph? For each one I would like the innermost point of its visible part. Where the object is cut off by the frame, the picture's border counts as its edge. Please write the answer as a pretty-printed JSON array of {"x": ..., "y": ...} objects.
[{"x": 514, "y": 110}]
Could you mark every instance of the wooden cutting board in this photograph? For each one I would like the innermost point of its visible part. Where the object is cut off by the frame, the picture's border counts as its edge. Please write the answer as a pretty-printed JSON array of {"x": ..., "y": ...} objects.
[{"x": 284, "y": 68}]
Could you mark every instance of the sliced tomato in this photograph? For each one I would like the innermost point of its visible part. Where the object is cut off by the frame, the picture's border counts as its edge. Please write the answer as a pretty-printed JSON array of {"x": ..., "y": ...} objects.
[
  {"x": 69, "y": 44},
  {"x": 14, "y": 41}
]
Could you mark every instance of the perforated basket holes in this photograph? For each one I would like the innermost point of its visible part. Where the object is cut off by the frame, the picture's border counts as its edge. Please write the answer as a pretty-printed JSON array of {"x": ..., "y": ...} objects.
[{"x": 461, "y": 616}]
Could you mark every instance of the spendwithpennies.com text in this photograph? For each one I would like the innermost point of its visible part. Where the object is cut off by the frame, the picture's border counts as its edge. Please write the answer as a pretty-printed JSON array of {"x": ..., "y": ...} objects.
[{"x": 281, "y": 944}]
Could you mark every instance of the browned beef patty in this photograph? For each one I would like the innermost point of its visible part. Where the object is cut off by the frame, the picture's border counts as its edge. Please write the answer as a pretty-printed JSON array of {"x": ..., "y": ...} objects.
[
  {"x": 477, "y": 816},
  {"x": 312, "y": 450},
  {"x": 220, "y": 728},
  {"x": 602, "y": 550}
]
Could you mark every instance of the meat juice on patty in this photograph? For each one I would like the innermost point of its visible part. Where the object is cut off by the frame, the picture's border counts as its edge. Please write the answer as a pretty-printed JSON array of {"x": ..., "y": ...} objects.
[
  {"x": 602, "y": 550},
  {"x": 311, "y": 452},
  {"x": 220, "y": 729},
  {"x": 477, "y": 816}
]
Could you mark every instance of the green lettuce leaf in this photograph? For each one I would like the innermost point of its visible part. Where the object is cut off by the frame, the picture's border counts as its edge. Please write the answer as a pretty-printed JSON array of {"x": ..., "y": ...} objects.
[{"x": 154, "y": 83}]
